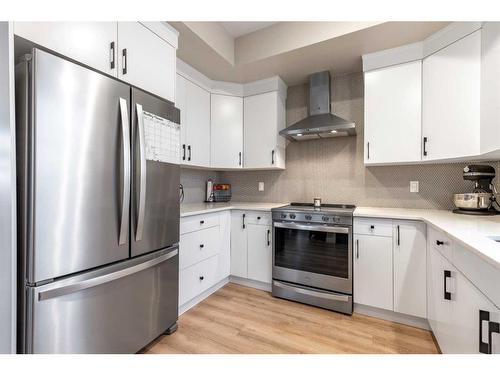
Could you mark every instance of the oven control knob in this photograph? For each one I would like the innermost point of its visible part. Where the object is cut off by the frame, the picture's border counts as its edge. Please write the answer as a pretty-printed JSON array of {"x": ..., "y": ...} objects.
[
  {"x": 283, "y": 216},
  {"x": 325, "y": 218},
  {"x": 308, "y": 217},
  {"x": 292, "y": 216}
]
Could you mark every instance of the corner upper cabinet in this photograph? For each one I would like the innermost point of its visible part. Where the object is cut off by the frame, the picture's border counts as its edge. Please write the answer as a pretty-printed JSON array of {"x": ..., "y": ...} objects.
[
  {"x": 393, "y": 98},
  {"x": 194, "y": 104},
  {"x": 90, "y": 43},
  {"x": 226, "y": 131},
  {"x": 451, "y": 100},
  {"x": 264, "y": 117},
  {"x": 146, "y": 60}
]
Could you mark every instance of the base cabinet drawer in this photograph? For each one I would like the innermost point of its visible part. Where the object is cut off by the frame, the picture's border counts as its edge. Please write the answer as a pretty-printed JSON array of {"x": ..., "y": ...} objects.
[
  {"x": 256, "y": 217},
  {"x": 373, "y": 227},
  {"x": 440, "y": 242},
  {"x": 197, "y": 246},
  {"x": 197, "y": 278},
  {"x": 198, "y": 222}
]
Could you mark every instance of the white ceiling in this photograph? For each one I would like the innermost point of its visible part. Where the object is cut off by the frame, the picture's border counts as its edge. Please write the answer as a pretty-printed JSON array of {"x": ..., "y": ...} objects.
[{"x": 237, "y": 29}]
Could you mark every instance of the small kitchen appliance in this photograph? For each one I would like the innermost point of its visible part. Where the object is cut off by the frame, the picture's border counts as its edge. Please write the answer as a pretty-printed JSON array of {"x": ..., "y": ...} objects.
[
  {"x": 313, "y": 255},
  {"x": 482, "y": 200},
  {"x": 210, "y": 191}
]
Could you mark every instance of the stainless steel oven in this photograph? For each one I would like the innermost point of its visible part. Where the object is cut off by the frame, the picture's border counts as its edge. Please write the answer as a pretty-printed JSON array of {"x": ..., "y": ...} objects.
[{"x": 312, "y": 255}]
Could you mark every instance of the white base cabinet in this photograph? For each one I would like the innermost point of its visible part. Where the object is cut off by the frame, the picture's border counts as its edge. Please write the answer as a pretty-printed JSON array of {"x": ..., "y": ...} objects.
[{"x": 251, "y": 245}]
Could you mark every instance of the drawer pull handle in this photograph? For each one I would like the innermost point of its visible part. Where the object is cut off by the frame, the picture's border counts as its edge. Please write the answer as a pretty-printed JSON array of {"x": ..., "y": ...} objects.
[
  {"x": 439, "y": 243},
  {"x": 202, "y": 221},
  {"x": 372, "y": 226},
  {"x": 258, "y": 217},
  {"x": 447, "y": 275},
  {"x": 202, "y": 246},
  {"x": 201, "y": 278}
]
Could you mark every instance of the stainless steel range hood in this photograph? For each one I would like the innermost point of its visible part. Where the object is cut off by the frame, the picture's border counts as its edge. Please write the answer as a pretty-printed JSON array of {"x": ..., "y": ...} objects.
[{"x": 320, "y": 123}]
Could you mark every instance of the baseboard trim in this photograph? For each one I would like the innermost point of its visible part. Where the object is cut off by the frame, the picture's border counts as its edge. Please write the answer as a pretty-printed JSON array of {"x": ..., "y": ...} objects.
[
  {"x": 200, "y": 297},
  {"x": 392, "y": 316},
  {"x": 250, "y": 283}
]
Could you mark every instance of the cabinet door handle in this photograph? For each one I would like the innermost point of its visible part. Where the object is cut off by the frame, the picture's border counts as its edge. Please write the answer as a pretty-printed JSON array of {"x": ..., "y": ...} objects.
[
  {"x": 202, "y": 246},
  {"x": 243, "y": 220},
  {"x": 268, "y": 237},
  {"x": 484, "y": 316},
  {"x": 372, "y": 227},
  {"x": 189, "y": 153},
  {"x": 183, "y": 152},
  {"x": 124, "y": 61},
  {"x": 112, "y": 55},
  {"x": 425, "y": 144},
  {"x": 357, "y": 249},
  {"x": 493, "y": 327},
  {"x": 368, "y": 151},
  {"x": 272, "y": 157},
  {"x": 447, "y": 275},
  {"x": 399, "y": 237},
  {"x": 239, "y": 163},
  {"x": 439, "y": 243},
  {"x": 201, "y": 278}
]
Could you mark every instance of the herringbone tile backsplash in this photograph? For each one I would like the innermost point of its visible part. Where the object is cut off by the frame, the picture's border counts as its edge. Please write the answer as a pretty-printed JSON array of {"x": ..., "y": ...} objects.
[{"x": 333, "y": 169}]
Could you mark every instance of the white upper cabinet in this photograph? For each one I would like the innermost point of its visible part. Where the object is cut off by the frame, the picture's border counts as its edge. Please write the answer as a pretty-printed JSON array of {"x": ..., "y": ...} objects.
[
  {"x": 409, "y": 244},
  {"x": 145, "y": 60},
  {"x": 490, "y": 87},
  {"x": 393, "y": 122},
  {"x": 264, "y": 117},
  {"x": 451, "y": 100},
  {"x": 90, "y": 43},
  {"x": 226, "y": 131}
]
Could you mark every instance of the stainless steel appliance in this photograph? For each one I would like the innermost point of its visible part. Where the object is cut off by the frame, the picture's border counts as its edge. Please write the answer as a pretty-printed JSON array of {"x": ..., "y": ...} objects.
[
  {"x": 482, "y": 200},
  {"x": 98, "y": 222},
  {"x": 312, "y": 255},
  {"x": 320, "y": 122}
]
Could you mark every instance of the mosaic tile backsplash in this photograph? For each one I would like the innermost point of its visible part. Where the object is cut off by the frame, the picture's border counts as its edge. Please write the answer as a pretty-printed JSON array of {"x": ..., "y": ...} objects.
[{"x": 333, "y": 169}]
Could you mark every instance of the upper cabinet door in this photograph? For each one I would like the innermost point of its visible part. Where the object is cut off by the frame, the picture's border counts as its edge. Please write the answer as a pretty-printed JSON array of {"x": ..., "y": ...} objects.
[
  {"x": 197, "y": 125},
  {"x": 226, "y": 131},
  {"x": 90, "y": 43},
  {"x": 145, "y": 60},
  {"x": 181, "y": 103},
  {"x": 263, "y": 119},
  {"x": 451, "y": 100},
  {"x": 393, "y": 107}
]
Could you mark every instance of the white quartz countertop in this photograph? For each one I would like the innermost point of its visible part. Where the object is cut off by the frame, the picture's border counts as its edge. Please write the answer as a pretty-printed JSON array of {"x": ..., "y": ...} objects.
[
  {"x": 471, "y": 231},
  {"x": 189, "y": 209}
]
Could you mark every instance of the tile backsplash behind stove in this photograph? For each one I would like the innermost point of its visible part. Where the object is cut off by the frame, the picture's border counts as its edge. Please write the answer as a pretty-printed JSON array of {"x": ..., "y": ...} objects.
[{"x": 333, "y": 168}]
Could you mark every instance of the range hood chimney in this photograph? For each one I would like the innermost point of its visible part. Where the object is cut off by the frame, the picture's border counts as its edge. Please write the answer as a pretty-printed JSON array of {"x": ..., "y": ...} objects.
[{"x": 320, "y": 123}]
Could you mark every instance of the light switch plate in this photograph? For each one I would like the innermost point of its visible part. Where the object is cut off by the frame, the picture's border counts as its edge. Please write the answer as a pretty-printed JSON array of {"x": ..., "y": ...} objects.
[
  {"x": 261, "y": 186},
  {"x": 413, "y": 186}
]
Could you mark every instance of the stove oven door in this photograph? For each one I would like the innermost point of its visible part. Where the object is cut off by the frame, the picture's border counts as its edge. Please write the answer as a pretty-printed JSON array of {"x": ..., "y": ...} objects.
[{"x": 318, "y": 256}]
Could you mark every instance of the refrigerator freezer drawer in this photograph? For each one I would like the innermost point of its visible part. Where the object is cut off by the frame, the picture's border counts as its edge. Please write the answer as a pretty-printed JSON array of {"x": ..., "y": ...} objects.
[{"x": 119, "y": 309}]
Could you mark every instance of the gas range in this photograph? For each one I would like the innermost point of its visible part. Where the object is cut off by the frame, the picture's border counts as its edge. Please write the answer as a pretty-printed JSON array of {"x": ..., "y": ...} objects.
[{"x": 307, "y": 212}]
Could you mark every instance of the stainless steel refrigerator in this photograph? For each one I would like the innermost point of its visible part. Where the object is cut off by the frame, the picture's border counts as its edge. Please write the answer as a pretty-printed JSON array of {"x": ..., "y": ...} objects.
[{"x": 98, "y": 221}]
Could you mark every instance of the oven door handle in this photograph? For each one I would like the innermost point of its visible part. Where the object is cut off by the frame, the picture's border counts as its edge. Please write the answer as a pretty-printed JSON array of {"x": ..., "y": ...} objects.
[{"x": 317, "y": 228}]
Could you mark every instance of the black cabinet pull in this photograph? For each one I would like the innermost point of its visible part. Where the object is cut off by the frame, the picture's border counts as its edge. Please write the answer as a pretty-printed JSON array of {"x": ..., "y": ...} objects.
[
  {"x": 258, "y": 217},
  {"x": 447, "y": 295},
  {"x": 189, "y": 153},
  {"x": 202, "y": 246},
  {"x": 425, "y": 143},
  {"x": 184, "y": 152},
  {"x": 268, "y": 237},
  {"x": 112, "y": 55},
  {"x": 272, "y": 157},
  {"x": 493, "y": 327},
  {"x": 483, "y": 346},
  {"x": 368, "y": 151},
  {"x": 202, "y": 221},
  {"x": 357, "y": 249},
  {"x": 240, "y": 158},
  {"x": 372, "y": 226},
  {"x": 399, "y": 237},
  {"x": 243, "y": 219},
  {"x": 201, "y": 278},
  {"x": 124, "y": 61},
  {"x": 439, "y": 243}
]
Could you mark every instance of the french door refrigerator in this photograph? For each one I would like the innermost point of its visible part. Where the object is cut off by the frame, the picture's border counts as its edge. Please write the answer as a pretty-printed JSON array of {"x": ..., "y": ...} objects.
[{"x": 98, "y": 220}]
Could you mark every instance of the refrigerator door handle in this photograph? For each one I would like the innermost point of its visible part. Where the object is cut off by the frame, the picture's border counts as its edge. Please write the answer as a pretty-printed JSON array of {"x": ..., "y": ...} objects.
[
  {"x": 86, "y": 284},
  {"x": 142, "y": 185},
  {"x": 126, "y": 173}
]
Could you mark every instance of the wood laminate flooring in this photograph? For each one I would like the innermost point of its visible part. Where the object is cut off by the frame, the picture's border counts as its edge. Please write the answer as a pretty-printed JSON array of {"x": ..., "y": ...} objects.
[{"x": 237, "y": 319}]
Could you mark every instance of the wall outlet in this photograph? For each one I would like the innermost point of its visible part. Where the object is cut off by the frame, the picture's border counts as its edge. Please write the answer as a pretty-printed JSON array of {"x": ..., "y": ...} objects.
[
  {"x": 413, "y": 186},
  {"x": 261, "y": 186}
]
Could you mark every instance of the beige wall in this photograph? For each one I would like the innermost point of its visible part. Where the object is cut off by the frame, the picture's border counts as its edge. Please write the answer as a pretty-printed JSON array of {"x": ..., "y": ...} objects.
[{"x": 333, "y": 168}]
